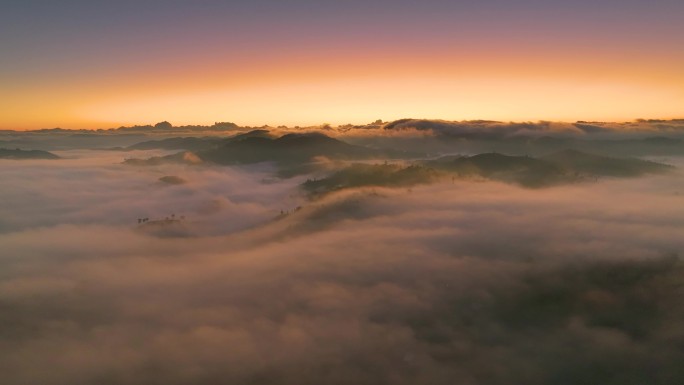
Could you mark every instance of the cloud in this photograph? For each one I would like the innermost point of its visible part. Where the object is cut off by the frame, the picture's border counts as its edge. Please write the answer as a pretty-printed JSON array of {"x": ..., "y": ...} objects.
[
  {"x": 481, "y": 129},
  {"x": 95, "y": 188},
  {"x": 468, "y": 282},
  {"x": 485, "y": 129}
]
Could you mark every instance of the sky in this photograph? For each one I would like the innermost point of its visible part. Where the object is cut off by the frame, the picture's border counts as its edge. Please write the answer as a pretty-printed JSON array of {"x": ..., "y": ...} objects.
[{"x": 101, "y": 64}]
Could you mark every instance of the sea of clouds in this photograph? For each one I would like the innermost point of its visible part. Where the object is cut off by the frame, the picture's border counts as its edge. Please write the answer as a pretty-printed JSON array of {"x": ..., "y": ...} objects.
[{"x": 454, "y": 282}]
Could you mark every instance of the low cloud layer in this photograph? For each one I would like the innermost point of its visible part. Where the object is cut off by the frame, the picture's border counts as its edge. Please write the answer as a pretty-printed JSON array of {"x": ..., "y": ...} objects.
[
  {"x": 93, "y": 187},
  {"x": 485, "y": 129},
  {"x": 453, "y": 282}
]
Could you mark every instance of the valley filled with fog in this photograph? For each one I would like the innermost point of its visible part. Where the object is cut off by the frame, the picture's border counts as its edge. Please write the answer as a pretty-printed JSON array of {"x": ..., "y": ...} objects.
[{"x": 409, "y": 252}]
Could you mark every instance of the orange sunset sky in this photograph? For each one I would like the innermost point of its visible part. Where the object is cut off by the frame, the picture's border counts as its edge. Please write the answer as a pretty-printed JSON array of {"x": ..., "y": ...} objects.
[{"x": 80, "y": 64}]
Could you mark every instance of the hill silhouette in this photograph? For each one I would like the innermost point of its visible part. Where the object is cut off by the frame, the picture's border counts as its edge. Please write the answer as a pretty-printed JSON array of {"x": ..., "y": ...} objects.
[
  {"x": 361, "y": 175},
  {"x": 523, "y": 170},
  {"x": 6, "y": 153},
  {"x": 180, "y": 143},
  {"x": 192, "y": 143},
  {"x": 259, "y": 146},
  {"x": 605, "y": 166},
  {"x": 568, "y": 166},
  {"x": 287, "y": 149},
  {"x": 564, "y": 166}
]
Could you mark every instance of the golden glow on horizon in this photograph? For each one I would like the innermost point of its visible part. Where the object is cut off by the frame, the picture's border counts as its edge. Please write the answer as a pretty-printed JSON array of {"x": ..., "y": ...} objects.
[
  {"x": 363, "y": 100},
  {"x": 307, "y": 90}
]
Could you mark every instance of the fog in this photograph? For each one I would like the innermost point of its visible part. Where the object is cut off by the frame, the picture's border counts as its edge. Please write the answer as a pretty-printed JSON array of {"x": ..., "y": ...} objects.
[
  {"x": 93, "y": 187},
  {"x": 457, "y": 281}
]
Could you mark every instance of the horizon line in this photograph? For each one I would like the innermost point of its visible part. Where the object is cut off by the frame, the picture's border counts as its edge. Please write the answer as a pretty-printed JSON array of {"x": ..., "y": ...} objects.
[{"x": 326, "y": 124}]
